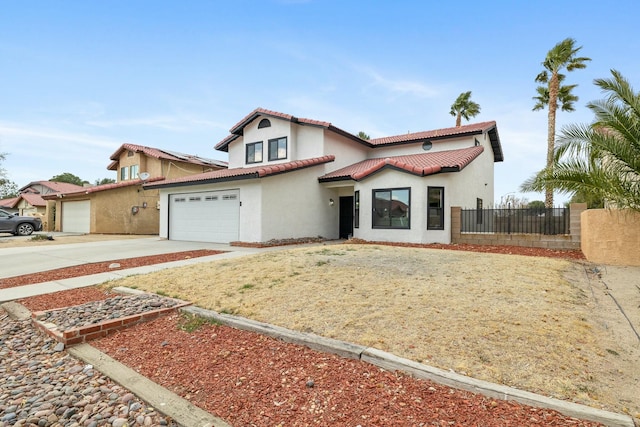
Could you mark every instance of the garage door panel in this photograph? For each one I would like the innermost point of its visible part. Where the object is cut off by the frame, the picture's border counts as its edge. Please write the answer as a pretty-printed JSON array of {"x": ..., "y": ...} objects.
[
  {"x": 76, "y": 216},
  {"x": 205, "y": 217}
]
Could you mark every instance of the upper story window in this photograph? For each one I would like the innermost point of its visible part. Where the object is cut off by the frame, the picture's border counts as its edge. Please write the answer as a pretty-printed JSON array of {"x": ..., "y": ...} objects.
[
  {"x": 129, "y": 153},
  {"x": 254, "y": 152},
  {"x": 264, "y": 123},
  {"x": 124, "y": 173},
  {"x": 134, "y": 170},
  {"x": 391, "y": 208},
  {"x": 278, "y": 148}
]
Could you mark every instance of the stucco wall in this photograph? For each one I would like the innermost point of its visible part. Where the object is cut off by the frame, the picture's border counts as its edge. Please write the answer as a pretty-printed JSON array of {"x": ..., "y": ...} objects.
[
  {"x": 295, "y": 206},
  {"x": 611, "y": 236},
  {"x": 157, "y": 167},
  {"x": 112, "y": 211}
]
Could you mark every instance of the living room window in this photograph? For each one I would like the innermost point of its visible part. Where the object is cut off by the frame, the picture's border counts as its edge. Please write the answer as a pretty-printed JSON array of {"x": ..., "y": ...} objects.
[
  {"x": 435, "y": 208},
  {"x": 124, "y": 173},
  {"x": 278, "y": 148},
  {"x": 254, "y": 152},
  {"x": 391, "y": 208},
  {"x": 134, "y": 170}
]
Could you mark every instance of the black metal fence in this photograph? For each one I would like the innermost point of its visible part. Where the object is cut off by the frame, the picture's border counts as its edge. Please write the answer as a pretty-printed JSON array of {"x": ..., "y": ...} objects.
[{"x": 510, "y": 221}]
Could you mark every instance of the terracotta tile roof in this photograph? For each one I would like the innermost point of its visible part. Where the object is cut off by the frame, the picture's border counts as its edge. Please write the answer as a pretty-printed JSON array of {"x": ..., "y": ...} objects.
[
  {"x": 103, "y": 187},
  {"x": 9, "y": 203},
  {"x": 242, "y": 173},
  {"x": 33, "y": 199},
  {"x": 53, "y": 186},
  {"x": 422, "y": 164},
  {"x": 432, "y": 135},
  {"x": 158, "y": 153},
  {"x": 238, "y": 129}
]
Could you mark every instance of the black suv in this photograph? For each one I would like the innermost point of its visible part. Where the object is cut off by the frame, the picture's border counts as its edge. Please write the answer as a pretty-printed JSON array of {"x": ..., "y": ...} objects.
[{"x": 18, "y": 225}]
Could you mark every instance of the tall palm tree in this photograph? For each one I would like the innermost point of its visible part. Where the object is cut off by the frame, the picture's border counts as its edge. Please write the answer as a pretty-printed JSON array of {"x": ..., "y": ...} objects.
[
  {"x": 600, "y": 160},
  {"x": 562, "y": 56},
  {"x": 464, "y": 107}
]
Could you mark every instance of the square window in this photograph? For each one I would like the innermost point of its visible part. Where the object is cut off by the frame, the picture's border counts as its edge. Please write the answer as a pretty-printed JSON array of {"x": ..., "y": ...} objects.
[
  {"x": 254, "y": 152},
  {"x": 435, "y": 208},
  {"x": 278, "y": 148},
  {"x": 391, "y": 208}
]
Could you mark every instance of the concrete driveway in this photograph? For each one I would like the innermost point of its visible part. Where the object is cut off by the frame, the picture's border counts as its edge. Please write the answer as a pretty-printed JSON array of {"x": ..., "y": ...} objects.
[{"x": 25, "y": 260}]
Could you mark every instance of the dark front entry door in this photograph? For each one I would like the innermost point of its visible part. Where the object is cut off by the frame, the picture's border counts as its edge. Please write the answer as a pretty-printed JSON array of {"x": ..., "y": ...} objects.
[{"x": 346, "y": 217}]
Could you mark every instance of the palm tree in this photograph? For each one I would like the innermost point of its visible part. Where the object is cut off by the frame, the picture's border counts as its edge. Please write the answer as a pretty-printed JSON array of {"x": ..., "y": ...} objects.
[
  {"x": 464, "y": 107},
  {"x": 363, "y": 135},
  {"x": 561, "y": 56},
  {"x": 600, "y": 160}
]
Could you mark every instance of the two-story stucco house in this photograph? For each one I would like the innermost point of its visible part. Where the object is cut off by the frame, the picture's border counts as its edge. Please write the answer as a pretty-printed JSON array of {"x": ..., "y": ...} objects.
[
  {"x": 125, "y": 207},
  {"x": 291, "y": 177}
]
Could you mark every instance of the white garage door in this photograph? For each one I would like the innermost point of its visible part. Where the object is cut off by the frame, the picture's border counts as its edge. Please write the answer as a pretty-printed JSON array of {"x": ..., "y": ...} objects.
[
  {"x": 76, "y": 216},
  {"x": 211, "y": 216}
]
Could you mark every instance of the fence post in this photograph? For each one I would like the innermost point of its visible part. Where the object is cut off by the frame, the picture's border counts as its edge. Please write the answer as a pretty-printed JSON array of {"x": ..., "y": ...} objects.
[{"x": 456, "y": 224}]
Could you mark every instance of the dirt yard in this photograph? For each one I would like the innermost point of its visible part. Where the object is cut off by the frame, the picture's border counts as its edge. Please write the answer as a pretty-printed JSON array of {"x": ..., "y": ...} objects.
[{"x": 540, "y": 324}]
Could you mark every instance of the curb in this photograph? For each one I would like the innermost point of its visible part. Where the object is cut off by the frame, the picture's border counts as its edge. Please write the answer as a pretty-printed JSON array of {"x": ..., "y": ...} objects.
[
  {"x": 170, "y": 404},
  {"x": 390, "y": 362},
  {"x": 182, "y": 411}
]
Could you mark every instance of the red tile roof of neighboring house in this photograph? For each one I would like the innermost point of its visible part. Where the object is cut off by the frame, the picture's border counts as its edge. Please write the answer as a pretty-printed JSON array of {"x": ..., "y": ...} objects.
[
  {"x": 9, "y": 203},
  {"x": 33, "y": 199},
  {"x": 418, "y": 137},
  {"x": 53, "y": 186},
  {"x": 103, "y": 187},
  {"x": 417, "y": 164},
  {"x": 238, "y": 129},
  {"x": 242, "y": 173},
  {"x": 163, "y": 154}
]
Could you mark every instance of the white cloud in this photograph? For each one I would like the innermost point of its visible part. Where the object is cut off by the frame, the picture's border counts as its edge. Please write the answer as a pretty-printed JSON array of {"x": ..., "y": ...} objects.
[
  {"x": 10, "y": 131},
  {"x": 178, "y": 123},
  {"x": 399, "y": 86}
]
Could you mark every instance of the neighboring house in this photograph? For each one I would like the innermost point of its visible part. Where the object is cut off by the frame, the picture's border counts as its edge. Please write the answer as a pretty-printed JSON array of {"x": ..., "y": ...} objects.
[
  {"x": 9, "y": 205},
  {"x": 125, "y": 207},
  {"x": 291, "y": 177},
  {"x": 30, "y": 202}
]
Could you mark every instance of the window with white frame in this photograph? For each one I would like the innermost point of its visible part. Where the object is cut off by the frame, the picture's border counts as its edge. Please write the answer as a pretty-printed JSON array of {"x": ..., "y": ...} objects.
[
  {"x": 134, "y": 170},
  {"x": 124, "y": 173}
]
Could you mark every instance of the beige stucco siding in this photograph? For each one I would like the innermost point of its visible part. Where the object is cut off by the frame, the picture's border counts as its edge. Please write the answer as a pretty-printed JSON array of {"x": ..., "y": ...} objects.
[
  {"x": 611, "y": 236},
  {"x": 111, "y": 211}
]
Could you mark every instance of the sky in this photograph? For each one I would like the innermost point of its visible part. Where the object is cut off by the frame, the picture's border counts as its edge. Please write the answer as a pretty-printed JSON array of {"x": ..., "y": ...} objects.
[{"x": 80, "y": 78}]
